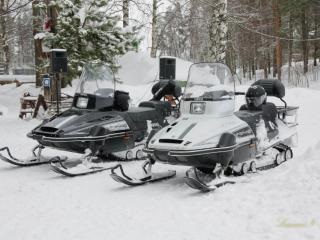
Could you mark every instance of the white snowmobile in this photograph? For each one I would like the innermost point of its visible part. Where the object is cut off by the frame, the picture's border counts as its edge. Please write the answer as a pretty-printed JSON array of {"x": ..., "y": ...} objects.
[{"x": 214, "y": 139}]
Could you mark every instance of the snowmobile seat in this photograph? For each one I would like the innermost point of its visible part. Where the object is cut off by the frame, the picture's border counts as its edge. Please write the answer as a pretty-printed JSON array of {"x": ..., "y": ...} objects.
[
  {"x": 121, "y": 101},
  {"x": 162, "y": 107},
  {"x": 273, "y": 87},
  {"x": 268, "y": 113},
  {"x": 138, "y": 117},
  {"x": 166, "y": 87}
]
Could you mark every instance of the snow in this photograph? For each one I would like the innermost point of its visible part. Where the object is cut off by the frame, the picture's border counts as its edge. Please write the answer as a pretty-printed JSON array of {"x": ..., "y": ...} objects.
[
  {"x": 20, "y": 78},
  {"x": 36, "y": 203},
  {"x": 139, "y": 68},
  {"x": 40, "y": 35}
]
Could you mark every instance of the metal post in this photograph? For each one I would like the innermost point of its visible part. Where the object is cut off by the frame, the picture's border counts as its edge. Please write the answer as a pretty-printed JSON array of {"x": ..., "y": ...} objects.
[{"x": 58, "y": 91}]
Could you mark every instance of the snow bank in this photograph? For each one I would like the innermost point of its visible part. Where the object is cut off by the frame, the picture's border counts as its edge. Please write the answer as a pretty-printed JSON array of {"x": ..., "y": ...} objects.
[
  {"x": 137, "y": 68},
  {"x": 140, "y": 68},
  {"x": 3, "y": 111},
  {"x": 10, "y": 97},
  {"x": 20, "y": 78}
]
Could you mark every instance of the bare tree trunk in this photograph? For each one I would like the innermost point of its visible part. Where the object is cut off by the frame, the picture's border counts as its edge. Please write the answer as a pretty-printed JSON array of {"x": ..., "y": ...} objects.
[
  {"x": 243, "y": 70},
  {"x": 3, "y": 37},
  {"x": 194, "y": 41},
  {"x": 274, "y": 64},
  {"x": 37, "y": 43},
  {"x": 263, "y": 21},
  {"x": 269, "y": 63},
  {"x": 265, "y": 67},
  {"x": 316, "y": 35},
  {"x": 277, "y": 26},
  {"x": 55, "y": 94},
  {"x": 154, "y": 29},
  {"x": 315, "y": 53},
  {"x": 218, "y": 32},
  {"x": 125, "y": 10},
  {"x": 304, "y": 28},
  {"x": 253, "y": 69},
  {"x": 290, "y": 42}
]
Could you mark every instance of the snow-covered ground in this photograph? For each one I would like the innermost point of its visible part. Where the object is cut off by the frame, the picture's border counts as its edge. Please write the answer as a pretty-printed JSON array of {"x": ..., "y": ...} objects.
[
  {"x": 20, "y": 78},
  {"x": 36, "y": 203}
]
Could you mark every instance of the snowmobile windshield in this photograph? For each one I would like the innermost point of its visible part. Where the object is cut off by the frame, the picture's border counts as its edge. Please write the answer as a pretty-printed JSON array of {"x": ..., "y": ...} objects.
[
  {"x": 97, "y": 79},
  {"x": 209, "y": 82}
]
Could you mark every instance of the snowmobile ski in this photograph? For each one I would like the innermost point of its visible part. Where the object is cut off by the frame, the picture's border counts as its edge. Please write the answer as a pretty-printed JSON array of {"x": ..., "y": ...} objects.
[
  {"x": 79, "y": 169},
  {"x": 149, "y": 177},
  {"x": 36, "y": 160},
  {"x": 195, "y": 182}
]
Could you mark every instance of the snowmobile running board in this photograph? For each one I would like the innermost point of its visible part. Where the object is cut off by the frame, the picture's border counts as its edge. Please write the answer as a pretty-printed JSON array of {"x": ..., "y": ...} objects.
[
  {"x": 150, "y": 177},
  {"x": 89, "y": 165},
  {"x": 36, "y": 160}
]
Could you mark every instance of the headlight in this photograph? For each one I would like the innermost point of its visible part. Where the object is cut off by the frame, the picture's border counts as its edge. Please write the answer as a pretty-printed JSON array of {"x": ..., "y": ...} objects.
[
  {"x": 198, "y": 108},
  {"x": 82, "y": 102},
  {"x": 117, "y": 126}
]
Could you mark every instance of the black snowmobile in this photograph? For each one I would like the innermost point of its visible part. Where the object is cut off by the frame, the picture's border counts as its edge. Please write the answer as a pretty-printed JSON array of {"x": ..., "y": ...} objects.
[
  {"x": 216, "y": 141},
  {"x": 100, "y": 124}
]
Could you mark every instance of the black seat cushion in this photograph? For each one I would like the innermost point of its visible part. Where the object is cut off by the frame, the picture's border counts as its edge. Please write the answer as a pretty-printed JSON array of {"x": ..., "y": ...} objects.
[
  {"x": 163, "y": 108},
  {"x": 121, "y": 101},
  {"x": 252, "y": 117}
]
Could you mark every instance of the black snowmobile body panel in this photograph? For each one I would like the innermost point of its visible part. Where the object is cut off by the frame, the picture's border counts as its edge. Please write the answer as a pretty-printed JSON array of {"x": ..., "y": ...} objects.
[
  {"x": 76, "y": 130},
  {"x": 268, "y": 114}
]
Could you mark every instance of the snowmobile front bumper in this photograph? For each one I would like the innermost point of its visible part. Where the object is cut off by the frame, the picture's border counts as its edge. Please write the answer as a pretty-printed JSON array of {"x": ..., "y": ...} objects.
[
  {"x": 197, "y": 157},
  {"x": 195, "y": 152},
  {"x": 80, "y": 138},
  {"x": 112, "y": 142}
]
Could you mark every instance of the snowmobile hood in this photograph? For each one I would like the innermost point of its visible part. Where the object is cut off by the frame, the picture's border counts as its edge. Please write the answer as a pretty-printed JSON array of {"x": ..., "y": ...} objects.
[
  {"x": 190, "y": 132},
  {"x": 74, "y": 123}
]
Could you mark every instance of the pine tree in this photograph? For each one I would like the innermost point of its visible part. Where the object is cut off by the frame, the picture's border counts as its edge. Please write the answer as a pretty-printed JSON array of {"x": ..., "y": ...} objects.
[{"x": 86, "y": 31}]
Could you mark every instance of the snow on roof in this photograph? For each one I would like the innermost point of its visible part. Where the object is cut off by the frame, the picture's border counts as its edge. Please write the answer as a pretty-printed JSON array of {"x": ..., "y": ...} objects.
[
  {"x": 58, "y": 50},
  {"x": 171, "y": 57}
]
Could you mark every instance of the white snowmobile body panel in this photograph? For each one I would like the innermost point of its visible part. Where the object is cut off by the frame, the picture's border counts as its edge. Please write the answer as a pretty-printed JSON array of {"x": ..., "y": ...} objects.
[
  {"x": 196, "y": 132},
  {"x": 209, "y": 131}
]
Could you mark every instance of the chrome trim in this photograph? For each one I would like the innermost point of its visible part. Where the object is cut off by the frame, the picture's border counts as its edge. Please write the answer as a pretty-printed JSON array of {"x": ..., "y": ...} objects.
[
  {"x": 82, "y": 139},
  {"x": 197, "y": 152}
]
